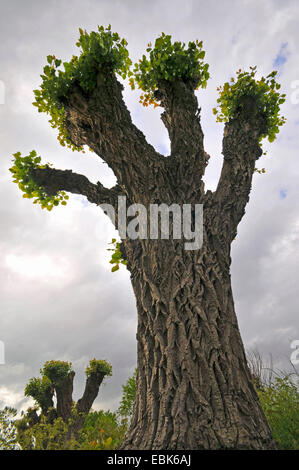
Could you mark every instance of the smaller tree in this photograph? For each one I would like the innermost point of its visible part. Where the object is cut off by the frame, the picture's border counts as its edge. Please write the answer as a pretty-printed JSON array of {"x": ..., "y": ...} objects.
[{"x": 55, "y": 426}]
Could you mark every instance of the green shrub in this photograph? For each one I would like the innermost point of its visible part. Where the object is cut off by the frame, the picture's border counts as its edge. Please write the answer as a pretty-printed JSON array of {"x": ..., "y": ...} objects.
[
  {"x": 42, "y": 435},
  {"x": 280, "y": 402},
  {"x": 102, "y": 430}
]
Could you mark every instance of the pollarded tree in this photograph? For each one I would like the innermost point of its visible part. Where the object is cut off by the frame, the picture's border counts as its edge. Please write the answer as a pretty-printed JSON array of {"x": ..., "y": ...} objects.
[
  {"x": 56, "y": 380},
  {"x": 194, "y": 389}
]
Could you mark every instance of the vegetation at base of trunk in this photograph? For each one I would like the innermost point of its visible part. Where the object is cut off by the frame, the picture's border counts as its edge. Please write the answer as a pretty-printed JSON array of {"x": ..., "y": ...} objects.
[
  {"x": 101, "y": 430},
  {"x": 280, "y": 402},
  {"x": 278, "y": 392}
]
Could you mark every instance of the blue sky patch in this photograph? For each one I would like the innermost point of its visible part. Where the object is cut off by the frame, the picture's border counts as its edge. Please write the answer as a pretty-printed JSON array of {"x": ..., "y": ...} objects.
[
  {"x": 162, "y": 148},
  {"x": 281, "y": 57}
]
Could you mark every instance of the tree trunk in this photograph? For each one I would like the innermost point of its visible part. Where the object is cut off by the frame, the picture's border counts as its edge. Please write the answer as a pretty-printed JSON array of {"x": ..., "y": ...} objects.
[
  {"x": 64, "y": 393},
  {"x": 194, "y": 389}
]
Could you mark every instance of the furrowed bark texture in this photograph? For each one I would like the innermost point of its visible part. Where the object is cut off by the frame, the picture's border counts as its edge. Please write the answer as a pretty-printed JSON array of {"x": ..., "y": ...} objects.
[
  {"x": 64, "y": 394},
  {"x": 194, "y": 388}
]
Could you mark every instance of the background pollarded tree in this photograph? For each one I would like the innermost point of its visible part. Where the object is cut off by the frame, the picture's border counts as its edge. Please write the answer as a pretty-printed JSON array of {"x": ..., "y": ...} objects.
[
  {"x": 194, "y": 389},
  {"x": 66, "y": 417}
]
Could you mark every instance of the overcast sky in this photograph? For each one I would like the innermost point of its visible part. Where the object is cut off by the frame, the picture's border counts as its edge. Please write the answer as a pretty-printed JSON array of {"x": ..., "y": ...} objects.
[{"x": 59, "y": 299}]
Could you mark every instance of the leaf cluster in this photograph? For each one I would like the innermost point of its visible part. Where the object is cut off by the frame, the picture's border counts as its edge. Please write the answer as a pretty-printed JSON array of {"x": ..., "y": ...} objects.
[
  {"x": 37, "y": 388},
  {"x": 117, "y": 257},
  {"x": 56, "y": 370},
  {"x": 98, "y": 366},
  {"x": 102, "y": 431},
  {"x": 101, "y": 51},
  {"x": 169, "y": 62},
  {"x": 265, "y": 94},
  {"x": 22, "y": 175}
]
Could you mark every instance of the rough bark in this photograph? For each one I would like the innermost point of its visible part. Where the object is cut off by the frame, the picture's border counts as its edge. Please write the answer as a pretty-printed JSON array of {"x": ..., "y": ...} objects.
[
  {"x": 194, "y": 389},
  {"x": 65, "y": 180},
  {"x": 85, "y": 403},
  {"x": 64, "y": 395}
]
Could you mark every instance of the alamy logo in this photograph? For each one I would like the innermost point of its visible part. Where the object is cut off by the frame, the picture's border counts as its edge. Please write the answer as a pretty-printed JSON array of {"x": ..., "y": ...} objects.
[
  {"x": 295, "y": 354},
  {"x": 186, "y": 221},
  {"x": 2, "y": 353}
]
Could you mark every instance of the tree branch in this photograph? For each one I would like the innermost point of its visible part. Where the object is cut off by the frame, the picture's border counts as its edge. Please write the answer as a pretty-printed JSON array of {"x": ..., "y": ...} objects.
[
  {"x": 240, "y": 149},
  {"x": 64, "y": 395},
  {"x": 53, "y": 180},
  {"x": 91, "y": 391},
  {"x": 182, "y": 120},
  {"x": 103, "y": 122}
]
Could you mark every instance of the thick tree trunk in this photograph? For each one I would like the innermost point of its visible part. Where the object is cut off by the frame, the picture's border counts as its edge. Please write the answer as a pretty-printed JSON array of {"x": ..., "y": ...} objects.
[{"x": 194, "y": 389}]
